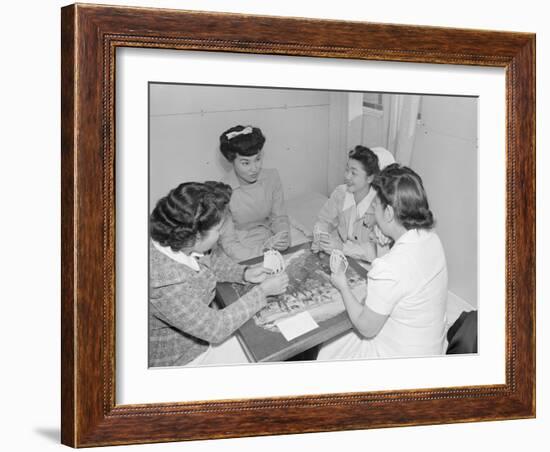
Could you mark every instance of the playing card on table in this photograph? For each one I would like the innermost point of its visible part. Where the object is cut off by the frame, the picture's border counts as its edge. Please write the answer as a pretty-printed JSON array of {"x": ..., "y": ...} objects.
[
  {"x": 338, "y": 261},
  {"x": 273, "y": 260}
]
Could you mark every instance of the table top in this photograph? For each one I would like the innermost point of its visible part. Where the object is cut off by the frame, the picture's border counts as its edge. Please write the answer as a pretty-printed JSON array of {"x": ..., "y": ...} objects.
[{"x": 263, "y": 344}]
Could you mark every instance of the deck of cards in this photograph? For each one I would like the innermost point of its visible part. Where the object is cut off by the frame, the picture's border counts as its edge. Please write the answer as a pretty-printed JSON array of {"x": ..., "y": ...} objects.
[
  {"x": 318, "y": 234},
  {"x": 274, "y": 261},
  {"x": 338, "y": 262}
]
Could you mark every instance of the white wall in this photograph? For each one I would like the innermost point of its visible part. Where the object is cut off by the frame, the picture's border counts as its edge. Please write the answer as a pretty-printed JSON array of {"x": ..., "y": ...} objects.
[
  {"x": 30, "y": 391},
  {"x": 445, "y": 154},
  {"x": 374, "y": 130},
  {"x": 186, "y": 122}
]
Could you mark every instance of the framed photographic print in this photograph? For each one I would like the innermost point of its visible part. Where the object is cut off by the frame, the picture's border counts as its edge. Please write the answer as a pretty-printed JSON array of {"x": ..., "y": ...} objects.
[{"x": 384, "y": 175}]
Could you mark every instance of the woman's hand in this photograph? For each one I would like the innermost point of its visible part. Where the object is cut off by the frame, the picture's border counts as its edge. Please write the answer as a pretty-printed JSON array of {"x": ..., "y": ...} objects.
[
  {"x": 377, "y": 236},
  {"x": 275, "y": 285},
  {"x": 256, "y": 274},
  {"x": 329, "y": 243},
  {"x": 282, "y": 241},
  {"x": 279, "y": 241},
  {"x": 339, "y": 280},
  {"x": 315, "y": 246},
  {"x": 368, "y": 219}
]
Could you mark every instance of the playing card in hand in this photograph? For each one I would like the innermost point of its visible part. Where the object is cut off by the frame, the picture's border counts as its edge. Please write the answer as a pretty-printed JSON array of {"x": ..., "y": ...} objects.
[
  {"x": 338, "y": 261},
  {"x": 273, "y": 260},
  {"x": 317, "y": 233}
]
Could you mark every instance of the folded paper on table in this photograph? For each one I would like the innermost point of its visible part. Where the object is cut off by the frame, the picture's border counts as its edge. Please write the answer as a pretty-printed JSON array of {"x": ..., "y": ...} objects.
[{"x": 297, "y": 325}]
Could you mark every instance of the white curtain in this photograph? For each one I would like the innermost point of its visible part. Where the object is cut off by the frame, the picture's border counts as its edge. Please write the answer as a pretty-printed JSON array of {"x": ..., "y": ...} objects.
[{"x": 401, "y": 125}]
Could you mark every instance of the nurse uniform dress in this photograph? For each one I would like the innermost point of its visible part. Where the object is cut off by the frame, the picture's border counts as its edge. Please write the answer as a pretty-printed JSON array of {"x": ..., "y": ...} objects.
[
  {"x": 409, "y": 284},
  {"x": 258, "y": 212}
]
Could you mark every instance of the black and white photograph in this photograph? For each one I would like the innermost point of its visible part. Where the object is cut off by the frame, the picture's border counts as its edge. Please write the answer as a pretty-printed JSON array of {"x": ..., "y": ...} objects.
[
  {"x": 236, "y": 225},
  {"x": 304, "y": 225}
]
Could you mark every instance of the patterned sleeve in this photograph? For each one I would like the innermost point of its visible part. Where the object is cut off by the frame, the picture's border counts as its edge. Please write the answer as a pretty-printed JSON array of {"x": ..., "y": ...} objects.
[
  {"x": 279, "y": 216},
  {"x": 225, "y": 268},
  {"x": 179, "y": 306}
]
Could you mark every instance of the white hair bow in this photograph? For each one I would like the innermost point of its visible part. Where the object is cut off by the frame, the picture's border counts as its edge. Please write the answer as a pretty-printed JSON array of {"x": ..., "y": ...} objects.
[{"x": 245, "y": 131}]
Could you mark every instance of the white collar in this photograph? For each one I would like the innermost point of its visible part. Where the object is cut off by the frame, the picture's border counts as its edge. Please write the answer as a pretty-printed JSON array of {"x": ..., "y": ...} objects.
[
  {"x": 180, "y": 256},
  {"x": 362, "y": 207}
]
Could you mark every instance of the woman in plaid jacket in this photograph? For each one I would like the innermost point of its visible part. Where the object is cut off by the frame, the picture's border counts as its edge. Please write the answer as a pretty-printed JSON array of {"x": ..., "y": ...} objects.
[{"x": 185, "y": 225}]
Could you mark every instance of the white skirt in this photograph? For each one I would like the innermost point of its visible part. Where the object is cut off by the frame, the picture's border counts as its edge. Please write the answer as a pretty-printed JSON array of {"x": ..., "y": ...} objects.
[
  {"x": 350, "y": 345},
  {"x": 229, "y": 351}
]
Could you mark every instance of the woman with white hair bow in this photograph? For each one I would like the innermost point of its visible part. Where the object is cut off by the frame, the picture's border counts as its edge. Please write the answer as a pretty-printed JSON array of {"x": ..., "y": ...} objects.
[{"x": 258, "y": 211}]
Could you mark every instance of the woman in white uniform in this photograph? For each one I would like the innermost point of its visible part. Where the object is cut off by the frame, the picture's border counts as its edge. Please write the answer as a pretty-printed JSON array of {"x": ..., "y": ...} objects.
[
  {"x": 404, "y": 310},
  {"x": 258, "y": 211}
]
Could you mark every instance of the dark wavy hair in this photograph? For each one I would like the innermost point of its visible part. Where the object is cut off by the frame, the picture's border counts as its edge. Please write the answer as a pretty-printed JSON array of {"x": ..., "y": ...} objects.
[
  {"x": 400, "y": 187},
  {"x": 367, "y": 158},
  {"x": 189, "y": 209},
  {"x": 244, "y": 144}
]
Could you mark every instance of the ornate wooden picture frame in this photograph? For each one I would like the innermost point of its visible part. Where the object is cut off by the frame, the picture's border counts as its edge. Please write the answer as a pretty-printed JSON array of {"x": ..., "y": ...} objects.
[{"x": 90, "y": 37}]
